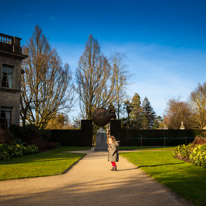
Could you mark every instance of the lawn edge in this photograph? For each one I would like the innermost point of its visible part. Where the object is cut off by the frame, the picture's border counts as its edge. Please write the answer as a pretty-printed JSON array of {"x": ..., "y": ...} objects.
[
  {"x": 69, "y": 168},
  {"x": 64, "y": 172}
]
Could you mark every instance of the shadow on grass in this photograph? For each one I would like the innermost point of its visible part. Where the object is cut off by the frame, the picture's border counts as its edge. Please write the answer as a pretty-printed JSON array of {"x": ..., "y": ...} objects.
[
  {"x": 158, "y": 165},
  {"x": 128, "y": 169},
  {"x": 41, "y": 157}
]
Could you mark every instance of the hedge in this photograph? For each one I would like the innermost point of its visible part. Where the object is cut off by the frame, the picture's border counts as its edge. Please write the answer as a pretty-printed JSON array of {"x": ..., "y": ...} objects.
[
  {"x": 133, "y": 137},
  {"x": 77, "y": 137}
]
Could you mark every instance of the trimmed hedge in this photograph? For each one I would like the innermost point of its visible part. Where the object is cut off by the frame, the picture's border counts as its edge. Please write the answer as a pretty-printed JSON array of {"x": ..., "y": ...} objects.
[
  {"x": 127, "y": 137},
  {"x": 77, "y": 137}
]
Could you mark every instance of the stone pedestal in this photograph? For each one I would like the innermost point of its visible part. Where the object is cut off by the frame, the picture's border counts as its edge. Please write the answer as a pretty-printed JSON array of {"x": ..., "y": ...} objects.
[{"x": 101, "y": 140}]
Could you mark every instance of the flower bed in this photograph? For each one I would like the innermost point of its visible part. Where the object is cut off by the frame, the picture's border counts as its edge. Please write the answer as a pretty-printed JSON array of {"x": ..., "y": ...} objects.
[
  {"x": 193, "y": 153},
  {"x": 16, "y": 150}
]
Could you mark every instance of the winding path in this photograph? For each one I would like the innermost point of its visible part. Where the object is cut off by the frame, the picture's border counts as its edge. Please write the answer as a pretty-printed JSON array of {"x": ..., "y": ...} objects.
[{"x": 90, "y": 182}]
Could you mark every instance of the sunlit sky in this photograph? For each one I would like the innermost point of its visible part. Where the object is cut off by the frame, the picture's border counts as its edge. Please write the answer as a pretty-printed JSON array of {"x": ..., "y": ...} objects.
[{"x": 164, "y": 40}]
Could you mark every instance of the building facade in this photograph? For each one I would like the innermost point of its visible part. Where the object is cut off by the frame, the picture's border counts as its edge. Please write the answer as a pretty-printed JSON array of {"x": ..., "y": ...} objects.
[{"x": 10, "y": 79}]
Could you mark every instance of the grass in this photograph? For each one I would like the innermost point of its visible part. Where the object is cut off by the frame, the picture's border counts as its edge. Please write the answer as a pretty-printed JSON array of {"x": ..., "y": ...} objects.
[
  {"x": 52, "y": 162},
  {"x": 147, "y": 148},
  {"x": 184, "y": 178}
]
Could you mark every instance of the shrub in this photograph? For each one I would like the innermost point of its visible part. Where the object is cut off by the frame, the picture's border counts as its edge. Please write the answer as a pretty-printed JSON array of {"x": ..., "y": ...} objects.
[
  {"x": 199, "y": 140},
  {"x": 183, "y": 151},
  {"x": 4, "y": 136},
  {"x": 4, "y": 154},
  {"x": 198, "y": 156},
  {"x": 9, "y": 151},
  {"x": 30, "y": 149}
]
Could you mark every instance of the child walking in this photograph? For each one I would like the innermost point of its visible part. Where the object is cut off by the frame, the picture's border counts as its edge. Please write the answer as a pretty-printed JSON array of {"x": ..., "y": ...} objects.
[{"x": 113, "y": 155}]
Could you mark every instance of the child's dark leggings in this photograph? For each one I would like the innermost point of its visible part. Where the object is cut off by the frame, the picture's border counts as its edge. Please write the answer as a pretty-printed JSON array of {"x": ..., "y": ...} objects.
[{"x": 113, "y": 164}]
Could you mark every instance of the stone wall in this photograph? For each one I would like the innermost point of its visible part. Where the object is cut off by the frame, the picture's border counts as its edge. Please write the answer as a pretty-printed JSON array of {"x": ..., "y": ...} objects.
[{"x": 11, "y": 55}]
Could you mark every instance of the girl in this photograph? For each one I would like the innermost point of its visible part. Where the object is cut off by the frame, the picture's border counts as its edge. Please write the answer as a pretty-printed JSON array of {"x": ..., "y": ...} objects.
[{"x": 113, "y": 155}]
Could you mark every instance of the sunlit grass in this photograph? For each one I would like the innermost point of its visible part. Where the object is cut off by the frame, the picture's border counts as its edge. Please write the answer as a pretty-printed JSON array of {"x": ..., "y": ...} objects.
[
  {"x": 147, "y": 148},
  {"x": 184, "y": 178},
  {"x": 52, "y": 162}
]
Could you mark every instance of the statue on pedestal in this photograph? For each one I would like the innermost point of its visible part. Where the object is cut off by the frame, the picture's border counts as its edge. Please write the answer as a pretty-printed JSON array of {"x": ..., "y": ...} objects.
[
  {"x": 101, "y": 117},
  {"x": 182, "y": 126}
]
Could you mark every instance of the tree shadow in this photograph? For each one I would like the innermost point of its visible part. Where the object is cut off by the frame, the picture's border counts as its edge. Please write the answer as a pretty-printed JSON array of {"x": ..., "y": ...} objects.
[
  {"x": 119, "y": 170},
  {"x": 160, "y": 165},
  {"x": 99, "y": 192}
]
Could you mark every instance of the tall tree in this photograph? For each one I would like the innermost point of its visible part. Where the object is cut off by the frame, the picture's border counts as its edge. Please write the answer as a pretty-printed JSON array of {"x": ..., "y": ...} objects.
[
  {"x": 46, "y": 85},
  {"x": 128, "y": 108},
  {"x": 158, "y": 123},
  {"x": 136, "y": 112},
  {"x": 198, "y": 105},
  {"x": 148, "y": 112},
  {"x": 121, "y": 79},
  {"x": 95, "y": 80},
  {"x": 177, "y": 112},
  {"x": 145, "y": 123}
]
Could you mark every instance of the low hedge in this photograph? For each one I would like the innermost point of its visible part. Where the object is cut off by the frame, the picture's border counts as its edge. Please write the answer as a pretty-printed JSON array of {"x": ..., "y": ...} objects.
[{"x": 17, "y": 150}]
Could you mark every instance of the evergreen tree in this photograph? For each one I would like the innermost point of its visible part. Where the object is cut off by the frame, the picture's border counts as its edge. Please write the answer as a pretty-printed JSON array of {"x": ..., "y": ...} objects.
[
  {"x": 128, "y": 108},
  {"x": 145, "y": 122},
  {"x": 136, "y": 113},
  {"x": 148, "y": 112},
  {"x": 158, "y": 122}
]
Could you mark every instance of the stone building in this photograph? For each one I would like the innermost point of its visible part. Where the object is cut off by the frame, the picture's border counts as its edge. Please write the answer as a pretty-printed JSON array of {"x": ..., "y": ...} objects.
[{"x": 10, "y": 79}]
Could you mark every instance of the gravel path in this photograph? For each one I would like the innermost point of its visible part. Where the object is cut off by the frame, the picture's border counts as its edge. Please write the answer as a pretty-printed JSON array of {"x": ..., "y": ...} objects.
[{"x": 90, "y": 182}]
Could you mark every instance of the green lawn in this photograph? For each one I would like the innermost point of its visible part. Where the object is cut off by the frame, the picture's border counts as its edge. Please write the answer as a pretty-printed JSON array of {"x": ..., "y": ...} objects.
[
  {"x": 146, "y": 148},
  {"x": 47, "y": 163},
  {"x": 184, "y": 178}
]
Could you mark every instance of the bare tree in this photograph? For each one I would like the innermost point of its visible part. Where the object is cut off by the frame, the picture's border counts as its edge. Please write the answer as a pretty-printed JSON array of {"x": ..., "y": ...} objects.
[
  {"x": 177, "y": 112},
  {"x": 121, "y": 79},
  {"x": 46, "y": 86},
  {"x": 95, "y": 81},
  {"x": 198, "y": 105}
]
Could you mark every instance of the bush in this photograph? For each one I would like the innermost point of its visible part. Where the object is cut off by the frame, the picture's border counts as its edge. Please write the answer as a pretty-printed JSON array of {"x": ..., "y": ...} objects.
[
  {"x": 30, "y": 149},
  {"x": 4, "y": 136},
  {"x": 199, "y": 140},
  {"x": 198, "y": 156},
  {"x": 183, "y": 151},
  {"x": 9, "y": 151},
  {"x": 195, "y": 154}
]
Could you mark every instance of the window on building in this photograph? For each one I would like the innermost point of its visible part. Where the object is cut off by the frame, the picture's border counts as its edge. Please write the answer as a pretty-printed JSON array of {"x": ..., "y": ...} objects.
[
  {"x": 7, "y": 76},
  {"x": 5, "y": 117}
]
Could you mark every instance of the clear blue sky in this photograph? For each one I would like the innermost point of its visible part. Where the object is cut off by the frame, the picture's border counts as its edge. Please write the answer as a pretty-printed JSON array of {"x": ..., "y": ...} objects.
[{"x": 164, "y": 40}]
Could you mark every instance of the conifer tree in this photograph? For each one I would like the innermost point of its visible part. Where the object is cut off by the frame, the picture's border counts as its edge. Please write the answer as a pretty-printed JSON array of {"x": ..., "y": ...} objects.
[
  {"x": 148, "y": 112},
  {"x": 136, "y": 112}
]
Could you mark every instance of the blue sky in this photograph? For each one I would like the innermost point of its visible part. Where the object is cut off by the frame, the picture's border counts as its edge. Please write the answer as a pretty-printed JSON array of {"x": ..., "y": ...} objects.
[{"x": 164, "y": 40}]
